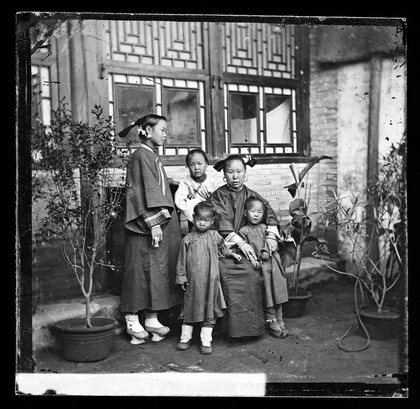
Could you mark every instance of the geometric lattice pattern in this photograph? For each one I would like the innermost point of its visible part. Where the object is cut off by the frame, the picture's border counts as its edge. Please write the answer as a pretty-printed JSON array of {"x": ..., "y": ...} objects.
[
  {"x": 159, "y": 84},
  {"x": 259, "y": 49},
  {"x": 262, "y": 92},
  {"x": 178, "y": 44}
]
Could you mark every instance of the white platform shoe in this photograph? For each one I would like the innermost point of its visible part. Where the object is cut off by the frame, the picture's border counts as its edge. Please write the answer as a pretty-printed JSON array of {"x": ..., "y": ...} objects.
[
  {"x": 135, "y": 329},
  {"x": 152, "y": 325}
]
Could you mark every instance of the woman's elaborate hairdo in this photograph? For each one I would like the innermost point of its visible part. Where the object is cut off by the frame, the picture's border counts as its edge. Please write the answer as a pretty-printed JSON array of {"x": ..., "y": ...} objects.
[
  {"x": 196, "y": 150},
  {"x": 246, "y": 159},
  {"x": 231, "y": 158},
  {"x": 142, "y": 123},
  {"x": 205, "y": 205}
]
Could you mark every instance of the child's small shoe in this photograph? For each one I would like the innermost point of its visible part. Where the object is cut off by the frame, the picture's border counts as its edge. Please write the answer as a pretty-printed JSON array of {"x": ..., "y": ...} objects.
[
  {"x": 206, "y": 338},
  {"x": 206, "y": 350},
  {"x": 275, "y": 330},
  {"x": 282, "y": 326},
  {"x": 183, "y": 346},
  {"x": 186, "y": 335}
]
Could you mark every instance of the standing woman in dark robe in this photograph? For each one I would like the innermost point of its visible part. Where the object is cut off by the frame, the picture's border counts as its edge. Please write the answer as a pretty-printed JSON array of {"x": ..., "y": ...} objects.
[
  {"x": 152, "y": 237},
  {"x": 241, "y": 283}
]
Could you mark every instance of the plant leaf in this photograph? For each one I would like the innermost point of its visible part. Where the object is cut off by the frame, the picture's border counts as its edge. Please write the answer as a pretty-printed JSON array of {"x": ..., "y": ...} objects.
[{"x": 312, "y": 161}]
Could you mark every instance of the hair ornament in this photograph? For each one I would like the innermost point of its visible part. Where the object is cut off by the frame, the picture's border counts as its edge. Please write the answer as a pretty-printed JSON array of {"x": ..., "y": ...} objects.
[{"x": 248, "y": 159}]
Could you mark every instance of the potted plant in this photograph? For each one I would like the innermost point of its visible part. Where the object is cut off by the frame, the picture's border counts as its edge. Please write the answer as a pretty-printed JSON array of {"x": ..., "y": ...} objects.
[
  {"x": 76, "y": 178},
  {"x": 297, "y": 234},
  {"x": 373, "y": 238}
]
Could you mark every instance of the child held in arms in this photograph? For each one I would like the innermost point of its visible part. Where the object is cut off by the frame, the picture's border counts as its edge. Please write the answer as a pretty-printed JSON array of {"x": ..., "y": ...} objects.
[{"x": 269, "y": 263}]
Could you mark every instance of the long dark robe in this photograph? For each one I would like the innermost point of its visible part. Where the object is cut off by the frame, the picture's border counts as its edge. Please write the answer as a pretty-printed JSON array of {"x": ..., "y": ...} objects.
[
  {"x": 149, "y": 276},
  {"x": 242, "y": 284}
]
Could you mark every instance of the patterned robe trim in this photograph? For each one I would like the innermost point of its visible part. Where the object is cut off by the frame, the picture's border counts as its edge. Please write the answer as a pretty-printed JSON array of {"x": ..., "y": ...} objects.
[
  {"x": 233, "y": 239},
  {"x": 158, "y": 216}
]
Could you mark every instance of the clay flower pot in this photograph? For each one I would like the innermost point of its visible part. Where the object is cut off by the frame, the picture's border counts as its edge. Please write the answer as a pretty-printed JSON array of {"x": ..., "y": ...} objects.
[
  {"x": 295, "y": 307},
  {"x": 380, "y": 326},
  {"x": 83, "y": 344}
]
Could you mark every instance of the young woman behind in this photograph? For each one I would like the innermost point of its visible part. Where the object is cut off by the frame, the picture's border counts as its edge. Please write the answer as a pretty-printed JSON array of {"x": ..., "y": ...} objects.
[{"x": 196, "y": 186}]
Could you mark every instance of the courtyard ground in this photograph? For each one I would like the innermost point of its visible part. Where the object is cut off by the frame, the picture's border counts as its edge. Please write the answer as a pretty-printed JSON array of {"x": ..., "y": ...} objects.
[{"x": 307, "y": 362}]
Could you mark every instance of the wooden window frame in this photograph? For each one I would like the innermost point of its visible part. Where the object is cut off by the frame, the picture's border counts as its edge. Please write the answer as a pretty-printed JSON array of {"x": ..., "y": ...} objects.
[{"x": 213, "y": 79}]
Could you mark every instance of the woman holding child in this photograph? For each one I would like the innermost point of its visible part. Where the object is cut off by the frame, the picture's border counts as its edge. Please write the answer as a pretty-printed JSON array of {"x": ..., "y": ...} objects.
[{"x": 242, "y": 284}]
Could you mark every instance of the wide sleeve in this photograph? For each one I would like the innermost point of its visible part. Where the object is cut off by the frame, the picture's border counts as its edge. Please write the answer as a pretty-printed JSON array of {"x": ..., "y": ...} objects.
[
  {"x": 224, "y": 219},
  {"x": 181, "y": 265},
  {"x": 184, "y": 200},
  {"x": 143, "y": 192},
  {"x": 223, "y": 249},
  {"x": 270, "y": 216}
]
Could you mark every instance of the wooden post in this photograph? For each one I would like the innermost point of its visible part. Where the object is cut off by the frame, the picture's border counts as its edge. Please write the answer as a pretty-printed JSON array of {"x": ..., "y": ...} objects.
[
  {"x": 216, "y": 93},
  {"x": 373, "y": 140}
]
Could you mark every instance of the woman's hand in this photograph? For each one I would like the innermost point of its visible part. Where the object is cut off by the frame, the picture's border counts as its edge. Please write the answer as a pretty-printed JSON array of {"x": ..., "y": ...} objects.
[
  {"x": 272, "y": 244},
  {"x": 184, "y": 286},
  {"x": 248, "y": 252},
  {"x": 157, "y": 235},
  {"x": 257, "y": 265}
]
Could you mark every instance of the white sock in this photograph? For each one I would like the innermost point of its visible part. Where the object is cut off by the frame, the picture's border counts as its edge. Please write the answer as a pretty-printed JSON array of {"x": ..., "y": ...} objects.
[
  {"x": 151, "y": 320},
  {"x": 186, "y": 333},
  {"x": 133, "y": 323},
  {"x": 205, "y": 336}
]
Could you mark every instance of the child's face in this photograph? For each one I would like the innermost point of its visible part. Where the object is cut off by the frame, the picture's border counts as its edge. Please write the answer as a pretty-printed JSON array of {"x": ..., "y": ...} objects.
[
  {"x": 255, "y": 212},
  {"x": 197, "y": 165},
  {"x": 203, "y": 220}
]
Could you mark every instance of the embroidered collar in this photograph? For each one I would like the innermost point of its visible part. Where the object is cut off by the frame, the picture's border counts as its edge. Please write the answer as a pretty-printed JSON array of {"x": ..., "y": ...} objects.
[
  {"x": 145, "y": 146},
  {"x": 199, "y": 181},
  {"x": 234, "y": 190}
]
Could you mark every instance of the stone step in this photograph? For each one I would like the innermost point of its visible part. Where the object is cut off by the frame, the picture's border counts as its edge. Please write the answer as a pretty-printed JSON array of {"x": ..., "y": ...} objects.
[{"x": 314, "y": 271}]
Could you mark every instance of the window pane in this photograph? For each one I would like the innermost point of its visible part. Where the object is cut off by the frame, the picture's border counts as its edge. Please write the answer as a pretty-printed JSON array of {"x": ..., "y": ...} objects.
[
  {"x": 243, "y": 118},
  {"x": 181, "y": 113},
  {"x": 278, "y": 119},
  {"x": 132, "y": 102},
  {"x": 46, "y": 112}
]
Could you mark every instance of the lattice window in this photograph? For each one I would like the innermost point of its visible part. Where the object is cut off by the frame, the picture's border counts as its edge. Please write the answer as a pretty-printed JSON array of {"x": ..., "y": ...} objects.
[
  {"x": 177, "y": 44},
  {"x": 182, "y": 102},
  {"x": 259, "y": 49},
  {"x": 260, "y": 119}
]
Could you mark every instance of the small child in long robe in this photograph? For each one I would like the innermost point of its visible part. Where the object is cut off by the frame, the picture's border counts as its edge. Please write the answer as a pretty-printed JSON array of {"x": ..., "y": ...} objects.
[
  {"x": 269, "y": 263},
  {"x": 199, "y": 275}
]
